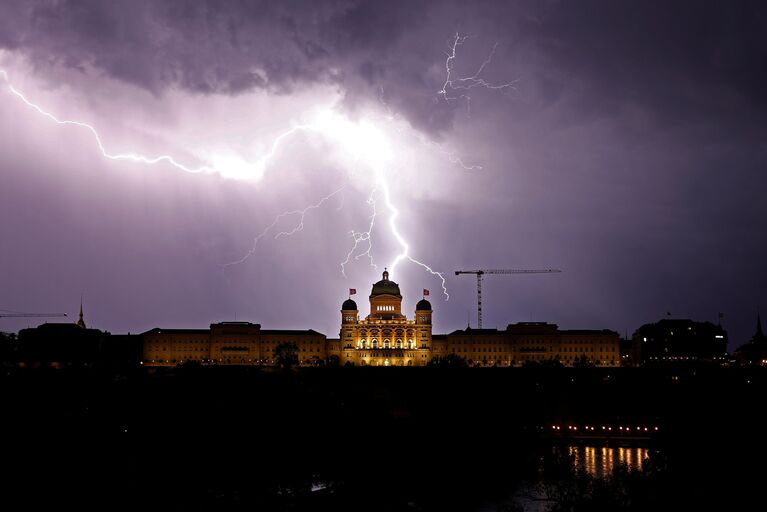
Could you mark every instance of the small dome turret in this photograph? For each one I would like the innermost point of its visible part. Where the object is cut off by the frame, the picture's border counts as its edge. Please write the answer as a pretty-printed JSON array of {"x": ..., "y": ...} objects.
[
  {"x": 349, "y": 305},
  {"x": 423, "y": 305}
]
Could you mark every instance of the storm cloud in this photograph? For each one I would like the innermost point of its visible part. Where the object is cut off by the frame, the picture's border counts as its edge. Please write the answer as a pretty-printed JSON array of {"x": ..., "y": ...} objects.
[{"x": 631, "y": 153}]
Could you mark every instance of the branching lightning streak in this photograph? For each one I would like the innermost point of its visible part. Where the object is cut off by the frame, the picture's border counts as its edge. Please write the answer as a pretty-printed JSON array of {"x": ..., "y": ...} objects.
[
  {"x": 298, "y": 227},
  {"x": 451, "y": 155},
  {"x": 363, "y": 236},
  {"x": 405, "y": 254},
  {"x": 469, "y": 82},
  {"x": 358, "y": 237},
  {"x": 149, "y": 160},
  {"x": 133, "y": 157}
]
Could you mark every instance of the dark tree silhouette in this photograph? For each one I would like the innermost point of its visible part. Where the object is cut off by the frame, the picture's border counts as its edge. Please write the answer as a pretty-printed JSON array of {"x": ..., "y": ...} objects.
[
  {"x": 286, "y": 354},
  {"x": 450, "y": 360},
  {"x": 552, "y": 362},
  {"x": 583, "y": 362}
]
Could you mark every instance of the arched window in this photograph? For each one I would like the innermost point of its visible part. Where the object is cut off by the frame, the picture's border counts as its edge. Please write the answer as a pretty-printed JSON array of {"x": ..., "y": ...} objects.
[
  {"x": 410, "y": 344},
  {"x": 387, "y": 343},
  {"x": 399, "y": 342},
  {"x": 375, "y": 343}
]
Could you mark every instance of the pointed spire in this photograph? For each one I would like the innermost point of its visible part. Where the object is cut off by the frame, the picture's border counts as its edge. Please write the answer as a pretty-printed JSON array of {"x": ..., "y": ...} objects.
[{"x": 81, "y": 322}]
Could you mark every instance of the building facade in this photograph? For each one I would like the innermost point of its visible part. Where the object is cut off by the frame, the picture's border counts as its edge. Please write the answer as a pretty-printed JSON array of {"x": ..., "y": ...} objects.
[
  {"x": 679, "y": 340},
  {"x": 228, "y": 343},
  {"x": 535, "y": 343},
  {"x": 384, "y": 337}
]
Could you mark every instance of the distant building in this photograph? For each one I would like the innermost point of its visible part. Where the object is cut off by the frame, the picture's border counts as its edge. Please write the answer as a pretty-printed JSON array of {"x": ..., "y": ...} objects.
[
  {"x": 228, "y": 343},
  {"x": 628, "y": 356},
  {"x": 535, "y": 343},
  {"x": 671, "y": 340},
  {"x": 72, "y": 344},
  {"x": 755, "y": 351}
]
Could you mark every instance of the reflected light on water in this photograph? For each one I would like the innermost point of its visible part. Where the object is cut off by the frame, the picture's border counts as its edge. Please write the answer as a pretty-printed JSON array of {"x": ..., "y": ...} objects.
[{"x": 601, "y": 461}]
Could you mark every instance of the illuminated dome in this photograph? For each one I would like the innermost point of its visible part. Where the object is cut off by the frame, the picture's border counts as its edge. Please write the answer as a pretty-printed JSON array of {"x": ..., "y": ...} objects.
[
  {"x": 385, "y": 287},
  {"x": 423, "y": 305},
  {"x": 349, "y": 305}
]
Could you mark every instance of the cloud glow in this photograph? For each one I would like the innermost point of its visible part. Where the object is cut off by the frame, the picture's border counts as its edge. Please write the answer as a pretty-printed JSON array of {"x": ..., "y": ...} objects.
[{"x": 364, "y": 147}]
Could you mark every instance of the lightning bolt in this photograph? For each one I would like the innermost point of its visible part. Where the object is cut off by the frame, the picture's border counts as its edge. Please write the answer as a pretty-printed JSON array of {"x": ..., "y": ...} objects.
[
  {"x": 405, "y": 254},
  {"x": 257, "y": 167},
  {"x": 363, "y": 236},
  {"x": 452, "y": 86},
  {"x": 133, "y": 157},
  {"x": 298, "y": 227},
  {"x": 451, "y": 155},
  {"x": 343, "y": 130}
]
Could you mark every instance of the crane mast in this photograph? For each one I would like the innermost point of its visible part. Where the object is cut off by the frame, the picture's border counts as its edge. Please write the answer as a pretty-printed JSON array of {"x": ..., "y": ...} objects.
[{"x": 481, "y": 272}]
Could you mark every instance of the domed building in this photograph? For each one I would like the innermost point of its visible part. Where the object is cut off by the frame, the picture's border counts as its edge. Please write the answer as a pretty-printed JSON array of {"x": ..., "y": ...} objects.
[{"x": 385, "y": 337}]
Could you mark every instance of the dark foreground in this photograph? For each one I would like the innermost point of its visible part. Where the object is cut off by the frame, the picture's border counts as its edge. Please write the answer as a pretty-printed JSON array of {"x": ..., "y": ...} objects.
[{"x": 371, "y": 438}]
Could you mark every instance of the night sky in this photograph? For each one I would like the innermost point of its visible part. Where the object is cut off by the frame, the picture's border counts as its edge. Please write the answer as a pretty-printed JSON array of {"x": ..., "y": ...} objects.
[{"x": 624, "y": 143}]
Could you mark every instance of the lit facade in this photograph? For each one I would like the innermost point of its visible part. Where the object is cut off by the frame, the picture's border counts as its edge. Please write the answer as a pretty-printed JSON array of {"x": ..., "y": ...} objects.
[
  {"x": 228, "y": 343},
  {"x": 385, "y": 337},
  {"x": 535, "y": 342}
]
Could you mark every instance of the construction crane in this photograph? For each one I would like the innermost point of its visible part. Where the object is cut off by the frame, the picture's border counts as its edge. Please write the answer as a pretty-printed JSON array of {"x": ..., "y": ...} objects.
[
  {"x": 4, "y": 313},
  {"x": 482, "y": 272}
]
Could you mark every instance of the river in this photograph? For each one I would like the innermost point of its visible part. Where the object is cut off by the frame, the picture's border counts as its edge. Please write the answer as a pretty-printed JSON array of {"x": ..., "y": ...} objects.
[{"x": 600, "y": 461}]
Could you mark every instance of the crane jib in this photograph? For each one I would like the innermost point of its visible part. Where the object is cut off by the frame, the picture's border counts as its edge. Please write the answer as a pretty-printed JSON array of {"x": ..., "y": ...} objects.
[{"x": 480, "y": 272}]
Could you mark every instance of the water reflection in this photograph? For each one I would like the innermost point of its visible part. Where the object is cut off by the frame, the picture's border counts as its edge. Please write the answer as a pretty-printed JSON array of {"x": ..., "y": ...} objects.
[{"x": 599, "y": 461}]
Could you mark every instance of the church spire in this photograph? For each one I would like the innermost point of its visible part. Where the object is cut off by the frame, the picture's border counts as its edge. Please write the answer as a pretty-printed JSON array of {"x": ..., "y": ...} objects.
[{"x": 81, "y": 322}]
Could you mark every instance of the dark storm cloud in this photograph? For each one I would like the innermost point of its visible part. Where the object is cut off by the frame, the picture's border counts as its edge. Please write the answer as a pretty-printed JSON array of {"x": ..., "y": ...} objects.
[
  {"x": 683, "y": 61},
  {"x": 675, "y": 59},
  {"x": 632, "y": 152},
  {"x": 211, "y": 46}
]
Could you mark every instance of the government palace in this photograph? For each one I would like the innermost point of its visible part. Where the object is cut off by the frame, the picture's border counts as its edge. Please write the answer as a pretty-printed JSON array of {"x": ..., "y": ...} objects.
[{"x": 385, "y": 337}]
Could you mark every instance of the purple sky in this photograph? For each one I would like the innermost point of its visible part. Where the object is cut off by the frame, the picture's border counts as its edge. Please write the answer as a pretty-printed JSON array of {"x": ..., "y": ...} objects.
[{"x": 630, "y": 153}]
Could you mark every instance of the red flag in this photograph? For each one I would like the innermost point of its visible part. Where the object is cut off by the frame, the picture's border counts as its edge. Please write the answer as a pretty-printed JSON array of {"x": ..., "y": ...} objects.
[
  {"x": 425, "y": 292},
  {"x": 352, "y": 291}
]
